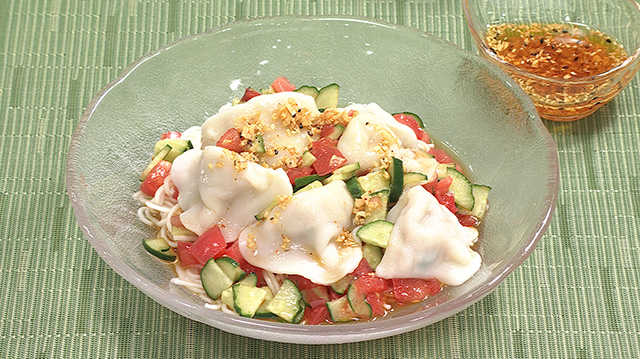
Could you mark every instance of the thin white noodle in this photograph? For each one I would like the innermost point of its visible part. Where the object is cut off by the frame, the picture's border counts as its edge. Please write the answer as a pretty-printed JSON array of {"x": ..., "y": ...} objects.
[
  {"x": 142, "y": 216},
  {"x": 214, "y": 306},
  {"x": 271, "y": 281},
  {"x": 226, "y": 309},
  {"x": 158, "y": 208}
]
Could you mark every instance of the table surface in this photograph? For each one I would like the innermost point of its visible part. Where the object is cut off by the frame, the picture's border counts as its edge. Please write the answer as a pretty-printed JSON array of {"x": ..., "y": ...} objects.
[{"x": 577, "y": 295}]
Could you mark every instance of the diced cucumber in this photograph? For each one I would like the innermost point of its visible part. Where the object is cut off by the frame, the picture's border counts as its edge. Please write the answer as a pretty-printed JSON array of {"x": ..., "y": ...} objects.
[
  {"x": 340, "y": 310},
  {"x": 247, "y": 299},
  {"x": 226, "y": 297},
  {"x": 480, "y": 196},
  {"x": 231, "y": 268},
  {"x": 159, "y": 248},
  {"x": 377, "y": 233},
  {"x": 156, "y": 159},
  {"x": 214, "y": 281},
  {"x": 178, "y": 147},
  {"x": 307, "y": 159},
  {"x": 287, "y": 303},
  {"x": 250, "y": 279},
  {"x": 262, "y": 311},
  {"x": 308, "y": 90},
  {"x": 298, "y": 318},
  {"x": 415, "y": 117},
  {"x": 315, "y": 293},
  {"x": 328, "y": 96},
  {"x": 260, "y": 144},
  {"x": 354, "y": 187},
  {"x": 412, "y": 179},
  {"x": 441, "y": 169},
  {"x": 303, "y": 181},
  {"x": 343, "y": 173},
  {"x": 379, "y": 202},
  {"x": 267, "y": 210},
  {"x": 374, "y": 181},
  {"x": 358, "y": 303},
  {"x": 337, "y": 132},
  {"x": 397, "y": 179},
  {"x": 461, "y": 188},
  {"x": 373, "y": 255},
  {"x": 310, "y": 186},
  {"x": 342, "y": 285}
]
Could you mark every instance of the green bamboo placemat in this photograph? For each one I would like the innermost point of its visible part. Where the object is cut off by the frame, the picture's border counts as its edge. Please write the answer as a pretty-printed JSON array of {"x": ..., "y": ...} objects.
[{"x": 577, "y": 296}]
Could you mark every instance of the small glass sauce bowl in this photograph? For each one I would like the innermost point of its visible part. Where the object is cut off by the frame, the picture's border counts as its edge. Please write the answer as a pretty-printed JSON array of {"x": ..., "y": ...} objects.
[{"x": 571, "y": 58}]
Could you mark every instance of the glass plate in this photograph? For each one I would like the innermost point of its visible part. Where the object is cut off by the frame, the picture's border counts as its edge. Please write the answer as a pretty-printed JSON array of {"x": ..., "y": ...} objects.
[{"x": 467, "y": 104}]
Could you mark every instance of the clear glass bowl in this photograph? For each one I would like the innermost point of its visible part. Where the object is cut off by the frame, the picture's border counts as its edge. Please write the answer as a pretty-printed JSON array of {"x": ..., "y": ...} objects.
[
  {"x": 556, "y": 98},
  {"x": 468, "y": 105}
]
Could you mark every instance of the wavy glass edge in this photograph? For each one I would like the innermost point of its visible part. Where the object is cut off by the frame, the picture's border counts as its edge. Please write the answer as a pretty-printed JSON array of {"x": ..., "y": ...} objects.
[{"x": 292, "y": 333}]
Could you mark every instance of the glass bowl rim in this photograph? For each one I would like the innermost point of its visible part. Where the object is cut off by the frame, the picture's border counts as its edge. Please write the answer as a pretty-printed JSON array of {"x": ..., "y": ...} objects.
[{"x": 295, "y": 333}]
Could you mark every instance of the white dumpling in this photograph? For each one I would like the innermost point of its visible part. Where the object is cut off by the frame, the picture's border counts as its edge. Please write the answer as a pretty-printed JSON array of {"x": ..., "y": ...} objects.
[
  {"x": 193, "y": 134},
  {"x": 216, "y": 185},
  {"x": 261, "y": 109},
  {"x": 371, "y": 133},
  {"x": 304, "y": 236},
  {"x": 427, "y": 241}
]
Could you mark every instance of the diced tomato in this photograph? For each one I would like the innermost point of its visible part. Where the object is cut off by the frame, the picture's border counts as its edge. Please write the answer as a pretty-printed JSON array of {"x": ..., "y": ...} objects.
[
  {"x": 317, "y": 315},
  {"x": 176, "y": 193},
  {"x": 155, "y": 178},
  {"x": 370, "y": 284},
  {"x": 210, "y": 244},
  {"x": 376, "y": 301},
  {"x": 233, "y": 251},
  {"x": 327, "y": 130},
  {"x": 302, "y": 282},
  {"x": 328, "y": 157},
  {"x": 443, "y": 195},
  {"x": 298, "y": 172},
  {"x": 282, "y": 84},
  {"x": 362, "y": 268},
  {"x": 408, "y": 120},
  {"x": 185, "y": 256},
  {"x": 441, "y": 156},
  {"x": 352, "y": 113},
  {"x": 467, "y": 220},
  {"x": 170, "y": 135},
  {"x": 408, "y": 290},
  {"x": 323, "y": 143},
  {"x": 249, "y": 93},
  {"x": 231, "y": 140}
]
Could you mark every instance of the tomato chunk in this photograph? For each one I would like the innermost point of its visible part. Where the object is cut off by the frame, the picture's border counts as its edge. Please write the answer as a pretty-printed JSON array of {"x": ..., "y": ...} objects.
[
  {"x": 411, "y": 122},
  {"x": 282, "y": 84},
  {"x": 371, "y": 284},
  {"x": 443, "y": 195},
  {"x": 231, "y": 140},
  {"x": 184, "y": 254},
  {"x": 233, "y": 251},
  {"x": 441, "y": 156},
  {"x": 170, "y": 135},
  {"x": 363, "y": 268},
  {"x": 249, "y": 93},
  {"x": 317, "y": 315},
  {"x": 376, "y": 301},
  {"x": 298, "y": 172},
  {"x": 210, "y": 244},
  {"x": 155, "y": 178},
  {"x": 328, "y": 157},
  {"x": 467, "y": 220},
  {"x": 408, "y": 290}
]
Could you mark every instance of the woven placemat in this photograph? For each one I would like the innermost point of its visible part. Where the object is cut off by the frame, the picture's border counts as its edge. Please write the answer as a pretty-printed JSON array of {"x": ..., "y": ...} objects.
[{"x": 577, "y": 296}]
